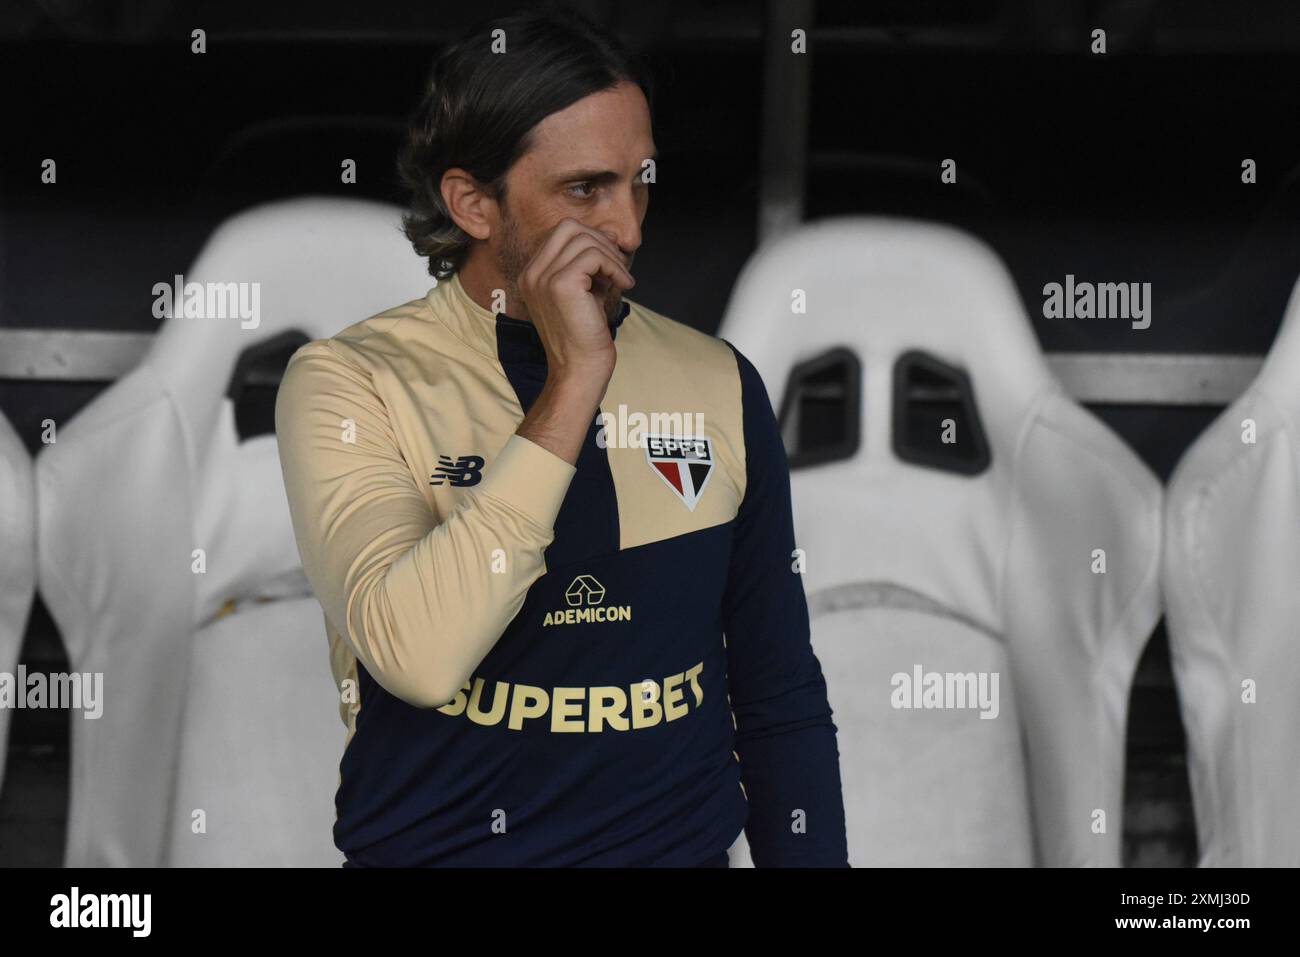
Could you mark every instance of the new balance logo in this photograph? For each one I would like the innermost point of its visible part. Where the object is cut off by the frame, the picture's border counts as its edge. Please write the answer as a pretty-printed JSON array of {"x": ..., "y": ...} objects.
[{"x": 466, "y": 470}]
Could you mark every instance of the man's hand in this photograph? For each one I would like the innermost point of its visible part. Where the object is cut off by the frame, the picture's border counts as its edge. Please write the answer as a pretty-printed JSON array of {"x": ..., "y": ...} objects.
[{"x": 564, "y": 286}]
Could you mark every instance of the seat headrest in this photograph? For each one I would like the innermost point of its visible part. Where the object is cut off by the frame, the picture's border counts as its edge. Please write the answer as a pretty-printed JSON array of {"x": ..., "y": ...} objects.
[
  {"x": 881, "y": 287},
  {"x": 305, "y": 255}
]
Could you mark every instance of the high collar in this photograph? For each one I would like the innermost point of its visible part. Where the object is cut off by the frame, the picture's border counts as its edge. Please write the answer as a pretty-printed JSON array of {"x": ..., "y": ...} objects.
[{"x": 498, "y": 336}]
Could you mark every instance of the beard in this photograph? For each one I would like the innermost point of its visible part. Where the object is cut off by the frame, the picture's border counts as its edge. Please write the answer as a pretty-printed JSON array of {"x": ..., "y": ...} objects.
[{"x": 514, "y": 255}]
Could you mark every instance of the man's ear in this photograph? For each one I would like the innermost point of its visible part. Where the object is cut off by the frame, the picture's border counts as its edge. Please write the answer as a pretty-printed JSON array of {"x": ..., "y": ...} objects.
[{"x": 470, "y": 206}]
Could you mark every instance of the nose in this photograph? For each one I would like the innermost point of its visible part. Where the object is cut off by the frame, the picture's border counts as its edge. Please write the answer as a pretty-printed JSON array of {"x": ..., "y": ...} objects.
[{"x": 623, "y": 224}]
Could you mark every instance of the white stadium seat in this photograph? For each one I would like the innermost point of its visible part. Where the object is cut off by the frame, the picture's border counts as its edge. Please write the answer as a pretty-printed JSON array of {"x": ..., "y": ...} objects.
[
  {"x": 1232, "y": 590},
  {"x": 221, "y": 737},
  {"x": 979, "y": 556},
  {"x": 17, "y": 561}
]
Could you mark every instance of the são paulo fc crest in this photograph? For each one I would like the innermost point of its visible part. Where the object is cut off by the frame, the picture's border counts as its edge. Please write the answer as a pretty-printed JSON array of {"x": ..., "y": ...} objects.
[{"x": 685, "y": 464}]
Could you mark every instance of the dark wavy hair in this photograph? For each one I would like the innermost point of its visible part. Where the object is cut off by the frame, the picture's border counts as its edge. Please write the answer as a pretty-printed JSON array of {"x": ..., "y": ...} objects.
[{"x": 479, "y": 107}]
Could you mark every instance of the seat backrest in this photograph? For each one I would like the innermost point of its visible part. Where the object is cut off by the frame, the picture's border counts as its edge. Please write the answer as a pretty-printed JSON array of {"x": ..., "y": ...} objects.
[
  {"x": 17, "y": 562},
  {"x": 960, "y": 516},
  {"x": 163, "y": 539},
  {"x": 1232, "y": 566}
]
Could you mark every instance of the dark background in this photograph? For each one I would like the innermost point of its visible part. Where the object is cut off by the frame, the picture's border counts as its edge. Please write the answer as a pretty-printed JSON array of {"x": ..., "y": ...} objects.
[{"x": 1122, "y": 167}]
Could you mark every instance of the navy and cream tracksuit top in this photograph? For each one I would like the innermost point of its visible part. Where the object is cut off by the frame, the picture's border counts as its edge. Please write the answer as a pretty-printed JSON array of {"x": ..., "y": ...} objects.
[{"x": 543, "y": 664}]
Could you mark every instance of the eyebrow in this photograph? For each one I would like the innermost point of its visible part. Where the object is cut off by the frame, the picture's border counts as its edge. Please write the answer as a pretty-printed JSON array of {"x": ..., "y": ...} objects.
[{"x": 601, "y": 176}]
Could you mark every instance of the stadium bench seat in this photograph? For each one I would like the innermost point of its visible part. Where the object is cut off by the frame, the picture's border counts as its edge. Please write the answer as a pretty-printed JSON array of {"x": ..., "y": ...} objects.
[
  {"x": 221, "y": 735},
  {"x": 17, "y": 561},
  {"x": 1231, "y": 570},
  {"x": 958, "y": 515}
]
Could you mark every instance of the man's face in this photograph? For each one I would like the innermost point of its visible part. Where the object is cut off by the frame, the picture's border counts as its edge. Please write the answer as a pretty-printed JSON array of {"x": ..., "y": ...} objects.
[{"x": 585, "y": 162}]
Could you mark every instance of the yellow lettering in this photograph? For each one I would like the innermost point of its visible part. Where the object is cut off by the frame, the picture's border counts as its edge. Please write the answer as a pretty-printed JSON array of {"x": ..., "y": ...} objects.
[
  {"x": 643, "y": 705},
  {"x": 672, "y": 694},
  {"x": 607, "y": 704},
  {"x": 527, "y": 702},
  {"x": 475, "y": 711},
  {"x": 456, "y": 705},
  {"x": 694, "y": 675},
  {"x": 563, "y": 708}
]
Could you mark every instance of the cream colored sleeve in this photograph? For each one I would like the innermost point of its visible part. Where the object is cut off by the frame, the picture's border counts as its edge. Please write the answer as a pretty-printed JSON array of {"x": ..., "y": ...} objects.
[{"x": 417, "y": 599}]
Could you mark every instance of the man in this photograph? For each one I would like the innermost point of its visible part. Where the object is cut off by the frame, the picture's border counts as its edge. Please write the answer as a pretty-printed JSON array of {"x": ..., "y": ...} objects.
[{"x": 558, "y": 640}]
